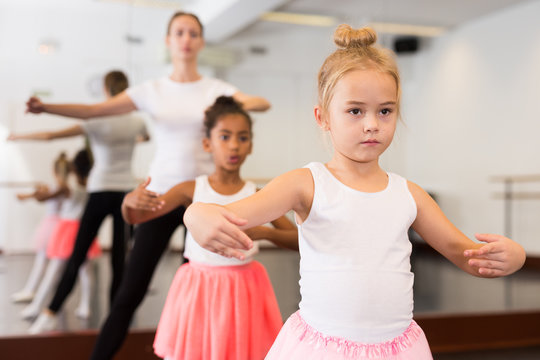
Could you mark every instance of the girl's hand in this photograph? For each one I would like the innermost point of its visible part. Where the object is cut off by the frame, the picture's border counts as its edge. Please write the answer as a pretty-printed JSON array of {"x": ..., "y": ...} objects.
[
  {"x": 34, "y": 106},
  {"x": 216, "y": 228},
  {"x": 500, "y": 256},
  {"x": 143, "y": 199},
  {"x": 41, "y": 192},
  {"x": 12, "y": 137}
]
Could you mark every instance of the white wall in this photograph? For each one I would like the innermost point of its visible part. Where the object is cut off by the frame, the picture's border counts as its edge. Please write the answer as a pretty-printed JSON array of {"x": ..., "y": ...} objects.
[{"x": 473, "y": 114}]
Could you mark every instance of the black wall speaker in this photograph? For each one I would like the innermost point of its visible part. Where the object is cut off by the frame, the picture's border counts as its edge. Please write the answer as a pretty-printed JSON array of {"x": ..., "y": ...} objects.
[{"x": 407, "y": 44}]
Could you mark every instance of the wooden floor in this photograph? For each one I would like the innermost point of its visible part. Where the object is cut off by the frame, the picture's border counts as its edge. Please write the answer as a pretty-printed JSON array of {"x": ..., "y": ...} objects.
[{"x": 282, "y": 266}]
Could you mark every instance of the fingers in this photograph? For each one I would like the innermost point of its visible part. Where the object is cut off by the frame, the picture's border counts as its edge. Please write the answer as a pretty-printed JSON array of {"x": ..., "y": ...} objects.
[
  {"x": 487, "y": 264},
  {"x": 142, "y": 199},
  {"x": 226, "y": 251},
  {"x": 149, "y": 201},
  {"x": 481, "y": 252},
  {"x": 146, "y": 182},
  {"x": 33, "y": 105},
  {"x": 233, "y": 218},
  {"x": 489, "y": 238}
]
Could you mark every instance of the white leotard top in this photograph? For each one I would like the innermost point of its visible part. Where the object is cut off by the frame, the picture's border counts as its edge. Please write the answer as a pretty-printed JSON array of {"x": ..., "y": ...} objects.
[
  {"x": 206, "y": 194},
  {"x": 356, "y": 280},
  {"x": 73, "y": 206},
  {"x": 54, "y": 205}
]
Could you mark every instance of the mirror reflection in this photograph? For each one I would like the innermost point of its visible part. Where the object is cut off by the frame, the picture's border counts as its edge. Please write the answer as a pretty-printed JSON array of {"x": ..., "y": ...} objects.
[{"x": 104, "y": 83}]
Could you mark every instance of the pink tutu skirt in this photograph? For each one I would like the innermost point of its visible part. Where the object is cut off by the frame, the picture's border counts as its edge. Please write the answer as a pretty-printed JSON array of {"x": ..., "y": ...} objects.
[
  {"x": 63, "y": 240},
  {"x": 44, "y": 231},
  {"x": 218, "y": 313},
  {"x": 298, "y": 340}
]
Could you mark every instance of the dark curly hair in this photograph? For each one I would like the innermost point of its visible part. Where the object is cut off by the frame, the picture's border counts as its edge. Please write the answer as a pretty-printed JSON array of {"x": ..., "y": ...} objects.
[
  {"x": 115, "y": 82},
  {"x": 224, "y": 105},
  {"x": 82, "y": 163}
]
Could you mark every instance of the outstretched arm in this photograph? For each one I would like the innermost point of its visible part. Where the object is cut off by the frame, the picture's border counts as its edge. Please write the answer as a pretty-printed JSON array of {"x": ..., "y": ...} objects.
[
  {"x": 44, "y": 194},
  {"x": 48, "y": 135},
  {"x": 252, "y": 103},
  {"x": 141, "y": 204},
  {"x": 219, "y": 228},
  {"x": 32, "y": 195},
  {"x": 284, "y": 233},
  {"x": 119, "y": 104},
  {"x": 500, "y": 255}
]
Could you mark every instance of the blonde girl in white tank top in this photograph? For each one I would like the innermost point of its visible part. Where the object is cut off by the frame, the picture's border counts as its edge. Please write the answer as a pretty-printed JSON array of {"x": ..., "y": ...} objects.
[{"x": 353, "y": 217}]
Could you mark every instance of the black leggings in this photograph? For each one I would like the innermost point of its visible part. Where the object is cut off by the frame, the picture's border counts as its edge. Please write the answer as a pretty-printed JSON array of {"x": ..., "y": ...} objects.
[
  {"x": 100, "y": 204},
  {"x": 151, "y": 241}
]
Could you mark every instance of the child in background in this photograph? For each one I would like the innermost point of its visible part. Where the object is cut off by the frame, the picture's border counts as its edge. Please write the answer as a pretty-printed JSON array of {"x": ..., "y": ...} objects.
[
  {"x": 217, "y": 307},
  {"x": 112, "y": 142},
  {"x": 44, "y": 229},
  {"x": 356, "y": 282},
  {"x": 62, "y": 241}
]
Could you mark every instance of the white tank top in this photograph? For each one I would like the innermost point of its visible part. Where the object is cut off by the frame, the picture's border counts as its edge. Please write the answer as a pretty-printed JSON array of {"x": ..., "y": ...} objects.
[
  {"x": 54, "y": 205},
  {"x": 112, "y": 140},
  {"x": 206, "y": 194},
  {"x": 73, "y": 206},
  {"x": 356, "y": 280}
]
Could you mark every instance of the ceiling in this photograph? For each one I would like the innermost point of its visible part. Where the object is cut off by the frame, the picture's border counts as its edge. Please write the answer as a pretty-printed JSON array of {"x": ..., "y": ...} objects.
[
  {"x": 224, "y": 18},
  {"x": 237, "y": 15},
  {"x": 447, "y": 13}
]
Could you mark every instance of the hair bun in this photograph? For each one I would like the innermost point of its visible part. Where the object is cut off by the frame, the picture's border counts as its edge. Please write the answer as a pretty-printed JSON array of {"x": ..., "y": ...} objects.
[
  {"x": 226, "y": 100},
  {"x": 347, "y": 37}
]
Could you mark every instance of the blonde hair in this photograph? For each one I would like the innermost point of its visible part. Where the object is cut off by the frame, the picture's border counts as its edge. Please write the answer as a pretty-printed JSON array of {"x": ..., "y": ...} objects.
[
  {"x": 61, "y": 166},
  {"x": 356, "y": 51}
]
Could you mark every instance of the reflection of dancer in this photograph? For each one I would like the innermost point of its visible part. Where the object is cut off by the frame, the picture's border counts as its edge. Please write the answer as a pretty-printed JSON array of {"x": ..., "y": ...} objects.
[
  {"x": 62, "y": 237},
  {"x": 112, "y": 141},
  {"x": 45, "y": 227},
  {"x": 212, "y": 295},
  {"x": 356, "y": 282},
  {"x": 176, "y": 106}
]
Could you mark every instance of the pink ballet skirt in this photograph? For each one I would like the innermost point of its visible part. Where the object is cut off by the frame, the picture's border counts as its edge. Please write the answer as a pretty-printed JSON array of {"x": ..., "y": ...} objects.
[
  {"x": 44, "y": 230},
  {"x": 298, "y": 340},
  {"x": 218, "y": 313},
  {"x": 63, "y": 239}
]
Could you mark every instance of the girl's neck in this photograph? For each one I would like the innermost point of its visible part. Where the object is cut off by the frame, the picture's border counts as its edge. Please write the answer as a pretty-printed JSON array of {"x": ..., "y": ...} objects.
[
  {"x": 185, "y": 71},
  {"x": 366, "y": 177},
  {"x": 81, "y": 181},
  {"x": 226, "y": 183}
]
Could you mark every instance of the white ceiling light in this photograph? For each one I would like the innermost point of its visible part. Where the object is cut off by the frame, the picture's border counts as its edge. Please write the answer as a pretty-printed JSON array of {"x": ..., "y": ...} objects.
[
  {"x": 299, "y": 19},
  {"x": 407, "y": 29},
  {"x": 381, "y": 27},
  {"x": 167, "y": 4}
]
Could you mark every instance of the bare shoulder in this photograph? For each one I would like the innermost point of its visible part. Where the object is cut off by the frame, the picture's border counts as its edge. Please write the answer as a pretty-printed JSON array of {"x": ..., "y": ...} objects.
[
  {"x": 298, "y": 186},
  {"x": 297, "y": 180},
  {"x": 420, "y": 195}
]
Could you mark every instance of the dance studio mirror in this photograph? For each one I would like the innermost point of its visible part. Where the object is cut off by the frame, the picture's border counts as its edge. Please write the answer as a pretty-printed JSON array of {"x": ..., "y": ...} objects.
[{"x": 469, "y": 72}]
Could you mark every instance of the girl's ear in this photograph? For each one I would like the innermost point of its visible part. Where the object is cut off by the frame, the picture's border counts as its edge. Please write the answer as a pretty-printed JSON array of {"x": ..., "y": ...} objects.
[
  {"x": 206, "y": 145},
  {"x": 320, "y": 118}
]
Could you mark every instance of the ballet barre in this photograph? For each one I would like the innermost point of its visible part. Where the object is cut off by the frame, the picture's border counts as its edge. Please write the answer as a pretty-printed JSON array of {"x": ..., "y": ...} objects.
[
  {"x": 508, "y": 195},
  {"x": 13, "y": 184}
]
